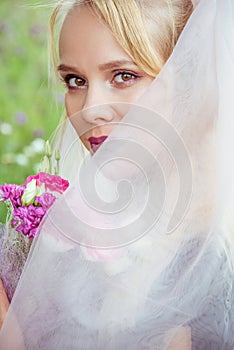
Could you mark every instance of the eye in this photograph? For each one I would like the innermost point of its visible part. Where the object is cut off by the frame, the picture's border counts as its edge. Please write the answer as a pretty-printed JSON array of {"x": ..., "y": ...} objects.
[
  {"x": 74, "y": 82},
  {"x": 124, "y": 77}
]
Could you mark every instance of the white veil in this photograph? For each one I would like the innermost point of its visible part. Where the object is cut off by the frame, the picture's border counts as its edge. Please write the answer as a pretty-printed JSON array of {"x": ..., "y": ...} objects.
[{"x": 138, "y": 252}]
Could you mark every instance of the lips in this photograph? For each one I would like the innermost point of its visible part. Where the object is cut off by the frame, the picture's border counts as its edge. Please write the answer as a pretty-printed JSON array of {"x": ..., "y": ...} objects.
[{"x": 96, "y": 142}]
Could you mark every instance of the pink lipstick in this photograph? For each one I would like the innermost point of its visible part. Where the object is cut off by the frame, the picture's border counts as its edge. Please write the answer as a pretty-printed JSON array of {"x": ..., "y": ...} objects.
[{"x": 96, "y": 142}]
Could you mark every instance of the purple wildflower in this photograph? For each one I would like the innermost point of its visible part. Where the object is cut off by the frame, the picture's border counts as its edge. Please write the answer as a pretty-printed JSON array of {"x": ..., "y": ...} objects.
[
  {"x": 35, "y": 30},
  {"x": 29, "y": 212},
  {"x": 38, "y": 133},
  {"x": 24, "y": 227},
  {"x": 38, "y": 211},
  {"x": 21, "y": 117},
  {"x": 21, "y": 212},
  {"x": 29, "y": 219},
  {"x": 46, "y": 200},
  {"x": 14, "y": 222},
  {"x": 5, "y": 27},
  {"x": 13, "y": 193},
  {"x": 33, "y": 232}
]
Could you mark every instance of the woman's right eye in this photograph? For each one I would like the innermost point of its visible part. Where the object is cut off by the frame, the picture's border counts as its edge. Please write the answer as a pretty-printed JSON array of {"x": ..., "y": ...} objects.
[{"x": 74, "y": 82}]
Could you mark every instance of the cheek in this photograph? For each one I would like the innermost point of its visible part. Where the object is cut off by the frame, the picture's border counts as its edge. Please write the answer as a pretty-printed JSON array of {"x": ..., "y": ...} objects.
[
  {"x": 73, "y": 107},
  {"x": 85, "y": 143},
  {"x": 73, "y": 104},
  {"x": 141, "y": 88},
  {"x": 132, "y": 94}
]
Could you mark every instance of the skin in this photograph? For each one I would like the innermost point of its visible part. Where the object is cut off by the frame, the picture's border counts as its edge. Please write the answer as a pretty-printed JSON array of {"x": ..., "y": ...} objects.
[
  {"x": 4, "y": 304},
  {"x": 181, "y": 340},
  {"x": 101, "y": 78}
]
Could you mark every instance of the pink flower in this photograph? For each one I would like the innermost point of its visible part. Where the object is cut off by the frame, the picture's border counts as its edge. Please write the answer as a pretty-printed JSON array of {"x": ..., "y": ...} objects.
[
  {"x": 28, "y": 219},
  {"x": 14, "y": 222},
  {"x": 45, "y": 200},
  {"x": 31, "y": 202},
  {"x": 29, "y": 212},
  {"x": 25, "y": 226},
  {"x": 52, "y": 183},
  {"x": 11, "y": 192}
]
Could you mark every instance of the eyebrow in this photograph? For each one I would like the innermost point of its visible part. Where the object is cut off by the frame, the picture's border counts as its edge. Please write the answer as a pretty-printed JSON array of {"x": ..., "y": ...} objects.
[
  {"x": 101, "y": 67},
  {"x": 115, "y": 64}
]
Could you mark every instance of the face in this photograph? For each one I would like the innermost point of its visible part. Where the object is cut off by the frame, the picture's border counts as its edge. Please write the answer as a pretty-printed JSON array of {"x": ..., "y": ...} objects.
[{"x": 101, "y": 79}]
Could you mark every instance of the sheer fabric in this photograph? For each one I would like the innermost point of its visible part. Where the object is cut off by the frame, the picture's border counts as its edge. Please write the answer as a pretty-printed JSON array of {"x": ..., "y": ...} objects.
[{"x": 138, "y": 253}]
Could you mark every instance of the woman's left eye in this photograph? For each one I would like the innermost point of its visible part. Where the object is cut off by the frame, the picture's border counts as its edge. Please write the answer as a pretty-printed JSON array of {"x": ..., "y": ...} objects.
[{"x": 124, "y": 77}]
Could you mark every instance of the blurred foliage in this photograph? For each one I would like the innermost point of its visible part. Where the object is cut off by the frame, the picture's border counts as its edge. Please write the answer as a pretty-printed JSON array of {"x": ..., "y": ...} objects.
[{"x": 29, "y": 107}]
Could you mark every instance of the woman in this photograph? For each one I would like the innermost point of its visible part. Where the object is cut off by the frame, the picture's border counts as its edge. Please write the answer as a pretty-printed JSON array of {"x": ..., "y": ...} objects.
[{"x": 138, "y": 253}]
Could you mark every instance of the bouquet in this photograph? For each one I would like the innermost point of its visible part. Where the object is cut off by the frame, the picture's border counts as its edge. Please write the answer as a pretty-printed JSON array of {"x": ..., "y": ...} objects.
[{"x": 27, "y": 205}]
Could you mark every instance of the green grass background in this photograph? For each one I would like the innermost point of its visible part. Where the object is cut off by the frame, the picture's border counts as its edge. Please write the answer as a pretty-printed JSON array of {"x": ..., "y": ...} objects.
[{"x": 30, "y": 107}]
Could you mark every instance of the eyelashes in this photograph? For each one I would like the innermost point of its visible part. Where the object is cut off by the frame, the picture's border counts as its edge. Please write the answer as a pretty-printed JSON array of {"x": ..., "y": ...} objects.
[
  {"x": 125, "y": 77},
  {"x": 73, "y": 81},
  {"x": 120, "y": 79}
]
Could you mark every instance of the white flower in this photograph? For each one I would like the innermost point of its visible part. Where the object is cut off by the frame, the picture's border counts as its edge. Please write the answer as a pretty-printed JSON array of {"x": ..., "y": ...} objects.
[
  {"x": 5, "y": 128},
  {"x": 21, "y": 159},
  {"x": 37, "y": 145},
  {"x": 45, "y": 165},
  {"x": 30, "y": 193}
]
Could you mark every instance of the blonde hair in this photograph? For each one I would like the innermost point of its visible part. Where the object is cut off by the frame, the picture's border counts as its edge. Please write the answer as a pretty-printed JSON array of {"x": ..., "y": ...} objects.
[{"x": 146, "y": 29}]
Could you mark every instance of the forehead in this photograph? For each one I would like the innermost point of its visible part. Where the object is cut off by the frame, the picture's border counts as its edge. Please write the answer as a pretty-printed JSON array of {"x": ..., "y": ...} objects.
[
  {"x": 84, "y": 32},
  {"x": 81, "y": 19}
]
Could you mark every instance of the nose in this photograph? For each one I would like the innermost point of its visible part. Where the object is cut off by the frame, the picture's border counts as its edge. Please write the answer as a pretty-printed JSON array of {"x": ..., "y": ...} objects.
[
  {"x": 97, "y": 106},
  {"x": 98, "y": 114}
]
